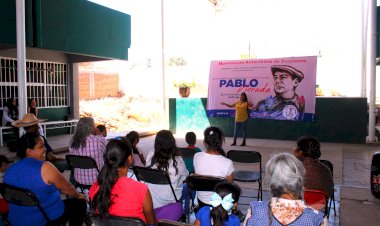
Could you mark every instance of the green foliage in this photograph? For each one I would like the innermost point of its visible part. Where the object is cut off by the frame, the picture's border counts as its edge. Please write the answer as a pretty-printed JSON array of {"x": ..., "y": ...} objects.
[
  {"x": 177, "y": 61},
  {"x": 183, "y": 84}
]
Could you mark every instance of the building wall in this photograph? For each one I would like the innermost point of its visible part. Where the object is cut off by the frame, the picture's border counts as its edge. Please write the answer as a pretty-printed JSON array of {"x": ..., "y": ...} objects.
[
  {"x": 340, "y": 120},
  {"x": 38, "y": 54}
]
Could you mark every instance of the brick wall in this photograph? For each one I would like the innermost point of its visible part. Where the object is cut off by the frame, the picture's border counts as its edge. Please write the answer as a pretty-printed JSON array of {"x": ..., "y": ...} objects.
[{"x": 104, "y": 85}]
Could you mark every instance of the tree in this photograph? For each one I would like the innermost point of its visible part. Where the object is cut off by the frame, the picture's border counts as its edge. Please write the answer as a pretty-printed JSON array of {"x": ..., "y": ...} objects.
[{"x": 177, "y": 61}]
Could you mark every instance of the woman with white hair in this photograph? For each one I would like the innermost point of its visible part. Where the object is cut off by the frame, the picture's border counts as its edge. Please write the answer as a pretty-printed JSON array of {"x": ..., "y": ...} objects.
[{"x": 284, "y": 174}]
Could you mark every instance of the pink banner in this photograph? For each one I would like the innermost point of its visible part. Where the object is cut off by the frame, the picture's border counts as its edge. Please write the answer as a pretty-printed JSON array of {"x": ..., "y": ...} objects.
[{"x": 278, "y": 88}]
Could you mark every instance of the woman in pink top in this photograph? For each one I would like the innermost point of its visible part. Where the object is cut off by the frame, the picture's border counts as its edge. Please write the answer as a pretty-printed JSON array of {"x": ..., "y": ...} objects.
[{"x": 116, "y": 194}]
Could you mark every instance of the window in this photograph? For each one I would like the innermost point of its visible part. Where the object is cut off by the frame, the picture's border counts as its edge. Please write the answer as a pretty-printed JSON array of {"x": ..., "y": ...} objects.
[{"x": 47, "y": 82}]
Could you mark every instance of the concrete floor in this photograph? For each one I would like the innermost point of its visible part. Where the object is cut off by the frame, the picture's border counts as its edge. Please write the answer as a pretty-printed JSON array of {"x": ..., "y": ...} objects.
[{"x": 352, "y": 163}]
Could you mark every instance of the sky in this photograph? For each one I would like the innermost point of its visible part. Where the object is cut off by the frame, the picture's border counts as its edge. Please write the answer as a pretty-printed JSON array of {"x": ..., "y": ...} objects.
[{"x": 196, "y": 31}]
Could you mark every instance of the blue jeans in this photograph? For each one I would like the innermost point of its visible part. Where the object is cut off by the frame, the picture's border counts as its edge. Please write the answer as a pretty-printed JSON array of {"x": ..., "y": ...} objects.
[
  {"x": 186, "y": 197},
  {"x": 240, "y": 126}
]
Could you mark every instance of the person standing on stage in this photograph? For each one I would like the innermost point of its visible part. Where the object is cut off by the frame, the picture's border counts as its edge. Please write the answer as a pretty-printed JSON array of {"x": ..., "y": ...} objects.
[{"x": 241, "y": 116}]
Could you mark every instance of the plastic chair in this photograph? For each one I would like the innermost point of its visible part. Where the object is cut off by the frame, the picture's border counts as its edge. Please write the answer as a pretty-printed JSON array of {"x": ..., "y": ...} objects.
[
  {"x": 81, "y": 162},
  {"x": 248, "y": 176},
  {"x": 332, "y": 198},
  {"x": 100, "y": 220},
  {"x": 153, "y": 176},
  {"x": 21, "y": 197},
  {"x": 317, "y": 199}
]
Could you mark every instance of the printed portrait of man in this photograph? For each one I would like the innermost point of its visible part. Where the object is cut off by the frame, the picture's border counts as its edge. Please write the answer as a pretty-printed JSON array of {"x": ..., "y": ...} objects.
[{"x": 286, "y": 104}]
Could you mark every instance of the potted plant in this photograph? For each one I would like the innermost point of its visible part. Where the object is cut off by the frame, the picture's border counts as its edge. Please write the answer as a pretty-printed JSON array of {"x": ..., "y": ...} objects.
[{"x": 184, "y": 87}]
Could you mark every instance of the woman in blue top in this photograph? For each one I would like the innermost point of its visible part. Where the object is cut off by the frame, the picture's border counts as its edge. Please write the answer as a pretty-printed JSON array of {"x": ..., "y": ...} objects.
[
  {"x": 41, "y": 177},
  {"x": 223, "y": 201}
]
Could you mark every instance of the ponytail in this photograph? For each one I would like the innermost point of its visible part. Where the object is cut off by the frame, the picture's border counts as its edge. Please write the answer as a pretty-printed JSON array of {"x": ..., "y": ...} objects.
[
  {"x": 222, "y": 201},
  {"x": 213, "y": 139},
  {"x": 218, "y": 216},
  {"x": 115, "y": 157}
]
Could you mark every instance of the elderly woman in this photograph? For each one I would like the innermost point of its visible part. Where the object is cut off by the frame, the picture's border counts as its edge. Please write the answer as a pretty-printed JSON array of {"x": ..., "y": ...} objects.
[
  {"x": 284, "y": 173},
  {"x": 317, "y": 175},
  {"x": 34, "y": 173},
  {"x": 86, "y": 143}
]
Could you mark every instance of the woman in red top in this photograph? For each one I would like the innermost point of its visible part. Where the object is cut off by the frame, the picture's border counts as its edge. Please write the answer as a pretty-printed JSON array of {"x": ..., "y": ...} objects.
[{"x": 114, "y": 193}]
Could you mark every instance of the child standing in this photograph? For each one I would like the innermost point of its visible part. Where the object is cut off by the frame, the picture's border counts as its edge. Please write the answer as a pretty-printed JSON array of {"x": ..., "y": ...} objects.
[{"x": 223, "y": 201}]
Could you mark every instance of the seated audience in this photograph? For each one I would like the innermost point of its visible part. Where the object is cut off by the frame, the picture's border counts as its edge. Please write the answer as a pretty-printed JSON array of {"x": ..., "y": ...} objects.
[
  {"x": 134, "y": 139},
  {"x": 223, "y": 201},
  {"x": 191, "y": 139},
  {"x": 317, "y": 175},
  {"x": 213, "y": 162},
  {"x": 30, "y": 124},
  {"x": 166, "y": 157},
  {"x": 32, "y": 107},
  {"x": 101, "y": 130},
  {"x": 86, "y": 143},
  {"x": 114, "y": 193},
  {"x": 10, "y": 112},
  {"x": 41, "y": 177},
  {"x": 284, "y": 174}
]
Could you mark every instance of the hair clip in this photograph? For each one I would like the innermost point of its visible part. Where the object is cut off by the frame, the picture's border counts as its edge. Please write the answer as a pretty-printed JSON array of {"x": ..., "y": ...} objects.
[{"x": 226, "y": 202}]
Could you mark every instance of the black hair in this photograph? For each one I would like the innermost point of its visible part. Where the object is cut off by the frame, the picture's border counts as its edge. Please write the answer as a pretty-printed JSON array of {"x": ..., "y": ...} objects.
[
  {"x": 132, "y": 137},
  {"x": 309, "y": 146},
  {"x": 30, "y": 101},
  {"x": 245, "y": 96},
  {"x": 28, "y": 140},
  {"x": 101, "y": 128},
  {"x": 218, "y": 214},
  {"x": 115, "y": 157},
  {"x": 191, "y": 138},
  {"x": 165, "y": 148},
  {"x": 213, "y": 139},
  {"x": 13, "y": 110}
]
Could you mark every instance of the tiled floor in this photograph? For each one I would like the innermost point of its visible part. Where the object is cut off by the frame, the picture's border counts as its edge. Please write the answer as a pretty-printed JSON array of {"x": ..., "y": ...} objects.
[{"x": 352, "y": 163}]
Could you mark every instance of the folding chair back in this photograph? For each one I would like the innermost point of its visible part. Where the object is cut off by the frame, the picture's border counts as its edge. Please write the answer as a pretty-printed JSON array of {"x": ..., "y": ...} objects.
[
  {"x": 332, "y": 199},
  {"x": 99, "y": 220},
  {"x": 247, "y": 176},
  {"x": 329, "y": 165},
  {"x": 203, "y": 183},
  {"x": 153, "y": 176},
  {"x": 81, "y": 162},
  {"x": 21, "y": 197}
]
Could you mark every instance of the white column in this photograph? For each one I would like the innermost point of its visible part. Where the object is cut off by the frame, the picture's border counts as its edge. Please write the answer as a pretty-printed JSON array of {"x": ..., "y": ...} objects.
[
  {"x": 371, "y": 69},
  {"x": 364, "y": 29},
  {"x": 165, "y": 102},
  {"x": 21, "y": 65},
  {"x": 75, "y": 90}
]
